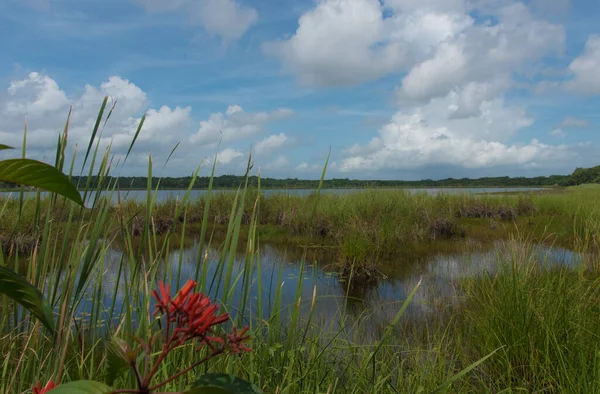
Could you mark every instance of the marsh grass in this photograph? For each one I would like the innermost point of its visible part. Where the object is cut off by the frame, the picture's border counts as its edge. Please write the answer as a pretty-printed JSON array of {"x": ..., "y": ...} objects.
[
  {"x": 543, "y": 319},
  {"x": 366, "y": 229},
  {"x": 541, "y": 324}
]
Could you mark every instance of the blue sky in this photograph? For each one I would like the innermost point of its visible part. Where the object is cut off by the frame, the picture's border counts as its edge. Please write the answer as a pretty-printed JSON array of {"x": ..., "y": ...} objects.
[{"x": 399, "y": 89}]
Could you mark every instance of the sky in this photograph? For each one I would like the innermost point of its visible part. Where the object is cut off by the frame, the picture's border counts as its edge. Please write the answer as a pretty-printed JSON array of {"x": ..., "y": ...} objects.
[{"x": 396, "y": 89}]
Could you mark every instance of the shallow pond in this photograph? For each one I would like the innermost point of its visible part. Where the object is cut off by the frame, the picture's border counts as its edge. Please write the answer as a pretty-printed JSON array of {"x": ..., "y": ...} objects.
[{"x": 365, "y": 309}]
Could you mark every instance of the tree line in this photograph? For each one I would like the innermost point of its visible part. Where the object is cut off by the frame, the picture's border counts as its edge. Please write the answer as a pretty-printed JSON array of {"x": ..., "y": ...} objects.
[{"x": 233, "y": 181}]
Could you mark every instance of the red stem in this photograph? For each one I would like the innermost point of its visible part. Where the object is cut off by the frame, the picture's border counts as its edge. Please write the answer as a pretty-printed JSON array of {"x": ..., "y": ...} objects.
[{"x": 163, "y": 354}]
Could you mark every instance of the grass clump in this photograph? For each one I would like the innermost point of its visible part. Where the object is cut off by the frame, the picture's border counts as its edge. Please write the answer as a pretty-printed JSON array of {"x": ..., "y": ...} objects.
[{"x": 543, "y": 321}]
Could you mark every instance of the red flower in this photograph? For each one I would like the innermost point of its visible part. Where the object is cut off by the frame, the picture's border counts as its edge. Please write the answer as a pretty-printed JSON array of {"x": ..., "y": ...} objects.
[
  {"x": 236, "y": 341},
  {"x": 183, "y": 295},
  {"x": 193, "y": 313},
  {"x": 163, "y": 300},
  {"x": 38, "y": 389}
]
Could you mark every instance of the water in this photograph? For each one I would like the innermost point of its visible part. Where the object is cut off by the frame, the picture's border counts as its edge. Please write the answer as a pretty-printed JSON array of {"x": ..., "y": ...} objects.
[
  {"x": 162, "y": 195},
  {"x": 367, "y": 308}
]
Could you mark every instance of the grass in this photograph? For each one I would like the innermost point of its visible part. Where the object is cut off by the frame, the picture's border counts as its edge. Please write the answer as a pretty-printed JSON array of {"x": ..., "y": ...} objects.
[
  {"x": 538, "y": 323},
  {"x": 366, "y": 229}
]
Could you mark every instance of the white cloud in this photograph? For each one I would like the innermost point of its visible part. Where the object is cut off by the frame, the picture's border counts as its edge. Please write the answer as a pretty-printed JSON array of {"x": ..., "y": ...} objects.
[
  {"x": 35, "y": 96},
  {"x": 485, "y": 55},
  {"x": 348, "y": 42},
  {"x": 436, "y": 5},
  {"x": 271, "y": 143},
  {"x": 558, "y": 133},
  {"x": 46, "y": 106},
  {"x": 341, "y": 42},
  {"x": 235, "y": 124},
  {"x": 424, "y": 136},
  {"x": 457, "y": 72},
  {"x": 586, "y": 78},
  {"x": 305, "y": 167},
  {"x": 228, "y": 18},
  {"x": 228, "y": 155},
  {"x": 302, "y": 166}
]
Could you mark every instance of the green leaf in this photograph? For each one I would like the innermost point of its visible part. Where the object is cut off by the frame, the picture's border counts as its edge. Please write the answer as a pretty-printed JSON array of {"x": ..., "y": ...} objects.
[
  {"x": 23, "y": 292},
  {"x": 119, "y": 356},
  {"x": 38, "y": 174},
  {"x": 3, "y": 147},
  {"x": 220, "y": 383},
  {"x": 137, "y": 132},
  {"x": 95, "y": 131},
  {"x": 462, "y": 373},
  {"x": 82, "y": 387}
]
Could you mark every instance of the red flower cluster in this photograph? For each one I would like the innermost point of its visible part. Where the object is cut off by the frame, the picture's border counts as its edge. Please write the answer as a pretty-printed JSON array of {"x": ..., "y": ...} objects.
[
  {"x": 38, "y": 389},
  {"x": 194, "y": 315},
  {"x": 236, "y": 341}
]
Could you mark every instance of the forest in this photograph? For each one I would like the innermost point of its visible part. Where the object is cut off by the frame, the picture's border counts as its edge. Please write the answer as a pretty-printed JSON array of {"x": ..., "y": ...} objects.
[{"x": 233, "y": 181}]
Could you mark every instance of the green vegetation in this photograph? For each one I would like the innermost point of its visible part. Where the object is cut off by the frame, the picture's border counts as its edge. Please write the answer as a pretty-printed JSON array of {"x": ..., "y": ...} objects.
[
  {"x": 233, "y": 181},
  {"x": 583, "y": 176},
  {"x": 528, "y": 327},
  {"x": 364, "y": 231}
]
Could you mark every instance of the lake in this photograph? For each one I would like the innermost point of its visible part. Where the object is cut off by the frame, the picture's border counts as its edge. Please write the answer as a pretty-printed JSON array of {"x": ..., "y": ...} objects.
[
  {"x": 363, "y": 310},
  {"x": 162, "y": 195}
]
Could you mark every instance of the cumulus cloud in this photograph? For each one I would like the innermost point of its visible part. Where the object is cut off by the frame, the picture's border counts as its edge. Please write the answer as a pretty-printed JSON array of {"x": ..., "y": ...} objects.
[
  {"x": 341, "y": 42},
  {"x": 228, "y": 155},
  {"x": 457, "y": 70},
  {"x": 584, "y": 69},
  {"x": 45, "y": 105},
  {"x": 485, "y": 55},
  {"x": 348, "y": 42},
  {"x": 305, "y": 167},
  {"x": 35, "y": 96},
  {"x": 424, "y": 136},
  {"x": 228, "y": 18},
  {"x": 39, "y": 98},
  {"x": 235, "y": 124},
  {"x": 271, "y": 143}
]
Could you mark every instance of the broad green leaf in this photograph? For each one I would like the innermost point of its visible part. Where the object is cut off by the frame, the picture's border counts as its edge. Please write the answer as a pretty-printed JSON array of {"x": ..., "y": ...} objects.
[
  {"x": 3, "y": 147},
  {"x": 118, "y": 359},
  {"x": 82, "y": 387},
  {"x": 23, "y": 292},
  {"x": 220, "y": 383},
  {"x": 38, "y": 174}
]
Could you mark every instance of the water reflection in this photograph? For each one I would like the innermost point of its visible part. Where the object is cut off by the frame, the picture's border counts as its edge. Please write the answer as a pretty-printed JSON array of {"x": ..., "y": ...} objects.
[{"x": 361, "y": 310}]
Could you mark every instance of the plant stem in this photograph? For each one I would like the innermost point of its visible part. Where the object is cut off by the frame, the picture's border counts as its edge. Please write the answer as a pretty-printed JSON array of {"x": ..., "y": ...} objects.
[{"x": 188, "y": 369}]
